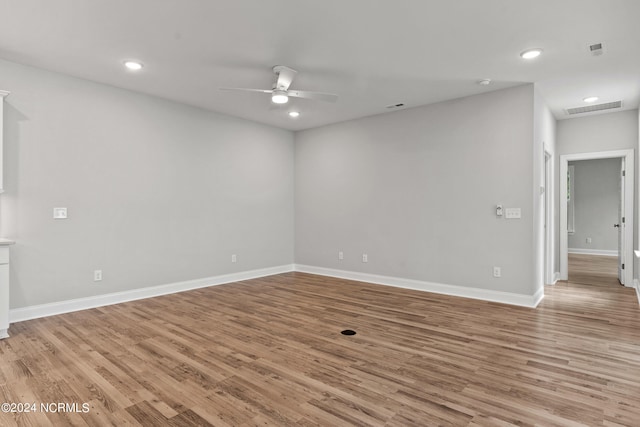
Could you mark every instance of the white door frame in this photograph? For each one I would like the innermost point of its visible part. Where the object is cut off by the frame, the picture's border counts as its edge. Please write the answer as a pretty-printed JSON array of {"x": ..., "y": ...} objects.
[
  {"x": 548, "y": 217},
  {"x": 628, "y": 155}
]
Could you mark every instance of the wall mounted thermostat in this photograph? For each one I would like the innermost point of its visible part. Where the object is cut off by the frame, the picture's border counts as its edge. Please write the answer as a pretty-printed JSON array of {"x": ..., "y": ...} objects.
[{"x": 499, "y": 210}]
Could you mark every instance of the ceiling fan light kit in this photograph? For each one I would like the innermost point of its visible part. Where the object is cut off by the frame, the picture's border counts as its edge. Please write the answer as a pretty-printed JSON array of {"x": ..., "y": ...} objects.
[
  {"x": 279, "y": 96},
  {"x": 280, "y": 93}
]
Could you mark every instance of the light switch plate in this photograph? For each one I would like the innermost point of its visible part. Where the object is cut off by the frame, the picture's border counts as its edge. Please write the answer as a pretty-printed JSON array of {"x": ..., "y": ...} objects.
[
  {"x": 59, "y": 213},
  {"x": 513, "y": 213}
]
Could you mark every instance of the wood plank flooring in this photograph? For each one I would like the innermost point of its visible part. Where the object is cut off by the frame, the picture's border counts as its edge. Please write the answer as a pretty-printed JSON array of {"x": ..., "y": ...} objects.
[
  {"x": 593, "y": 269},
  {"x": 269, "y": 352}
]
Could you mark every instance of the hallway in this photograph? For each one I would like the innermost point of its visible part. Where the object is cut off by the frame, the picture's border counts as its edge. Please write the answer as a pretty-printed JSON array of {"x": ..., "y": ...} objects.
[{"x": 593, "y": 270}]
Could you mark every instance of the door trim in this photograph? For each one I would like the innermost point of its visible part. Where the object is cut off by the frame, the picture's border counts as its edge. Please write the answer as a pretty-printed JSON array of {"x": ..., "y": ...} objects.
[
  {"x": 548, "y": 218},
  {"x": 628, "y": 155}
]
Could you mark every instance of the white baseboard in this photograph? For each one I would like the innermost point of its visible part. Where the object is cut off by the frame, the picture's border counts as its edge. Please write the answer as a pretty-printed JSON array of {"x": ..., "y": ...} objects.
[
  {"x": 603, "y": 252},
  {"x": 438, "y": 288},
  {"x": 3, "y": 333},
  {"x": 52, "y": 309},
  {"x": 636, "y": 284},
  {"x": 44, "y": 310},
  {"x": 556, "y": 277}
]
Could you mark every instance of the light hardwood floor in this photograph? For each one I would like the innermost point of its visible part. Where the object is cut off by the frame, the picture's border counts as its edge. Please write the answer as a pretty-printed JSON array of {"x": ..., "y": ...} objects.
[
  {"x": 269, "y": 352},
  {"x": 593, "y": 269}
]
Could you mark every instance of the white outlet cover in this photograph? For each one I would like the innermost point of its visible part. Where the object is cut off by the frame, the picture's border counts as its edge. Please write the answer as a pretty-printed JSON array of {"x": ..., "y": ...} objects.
[{"x": 59, "y": 213}]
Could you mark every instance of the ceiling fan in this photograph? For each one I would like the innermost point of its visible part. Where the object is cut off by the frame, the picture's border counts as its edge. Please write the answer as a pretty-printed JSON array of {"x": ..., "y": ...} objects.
[{"x": 280, "y": 93}]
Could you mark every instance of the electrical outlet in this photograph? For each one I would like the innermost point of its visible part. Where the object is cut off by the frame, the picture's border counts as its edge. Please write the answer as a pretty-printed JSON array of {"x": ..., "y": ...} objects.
[
  {"x": 588, "y": 239},
  {"x": 97, "y": 275},
  {"x": 365, "y": 258},
  {"x": 340, "y": 255},
  {"x": 497, "y": 272},
  {"x": 234, "y": 258}
]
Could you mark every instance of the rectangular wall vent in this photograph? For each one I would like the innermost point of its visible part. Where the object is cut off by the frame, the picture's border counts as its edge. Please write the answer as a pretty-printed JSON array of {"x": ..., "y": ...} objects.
[{"x": 592, "y": 108}]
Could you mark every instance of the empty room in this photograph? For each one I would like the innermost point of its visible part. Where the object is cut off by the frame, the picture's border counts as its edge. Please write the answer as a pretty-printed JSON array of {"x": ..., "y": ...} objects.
[{"x": 319, "y": 213}]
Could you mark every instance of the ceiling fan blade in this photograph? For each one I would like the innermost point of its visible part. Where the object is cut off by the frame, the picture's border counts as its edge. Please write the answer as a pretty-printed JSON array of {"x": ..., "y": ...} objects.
[
  {"x": 317, "y": 96},
  {"x": 285, "y": 76},
  {"x": 244, "y": 89}
]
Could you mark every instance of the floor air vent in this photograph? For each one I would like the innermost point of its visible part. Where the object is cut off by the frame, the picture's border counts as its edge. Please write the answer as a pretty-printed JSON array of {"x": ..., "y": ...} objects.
[{"x": 592, "y": 108}]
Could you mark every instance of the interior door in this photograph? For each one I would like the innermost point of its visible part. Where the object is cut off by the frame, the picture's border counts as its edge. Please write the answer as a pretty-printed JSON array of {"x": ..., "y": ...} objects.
[{"x": 621, "y": 224}]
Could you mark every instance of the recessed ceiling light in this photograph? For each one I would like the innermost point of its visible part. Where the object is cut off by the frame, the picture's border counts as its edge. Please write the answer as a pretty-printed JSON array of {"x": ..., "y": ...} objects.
[
  {"x": 133, "y": 65},
  {"x": 531, "y": 53},
  {"x": 294, "y": 114},
  {"x": 279, "y": 97},
  {"x": 484, "y": 82},
  {"x": 591, "y": 99}
]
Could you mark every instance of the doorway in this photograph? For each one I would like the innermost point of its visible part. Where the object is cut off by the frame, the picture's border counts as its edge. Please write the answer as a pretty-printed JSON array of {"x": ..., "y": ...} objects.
[{"x": 624, "y": 216}]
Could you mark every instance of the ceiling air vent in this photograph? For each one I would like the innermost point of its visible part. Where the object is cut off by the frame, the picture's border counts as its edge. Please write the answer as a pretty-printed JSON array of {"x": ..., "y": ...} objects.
[
  {"x": 592, "y": 108},
  {"x": 596, "y": 49},
  {"x": 394, "y": 106}
]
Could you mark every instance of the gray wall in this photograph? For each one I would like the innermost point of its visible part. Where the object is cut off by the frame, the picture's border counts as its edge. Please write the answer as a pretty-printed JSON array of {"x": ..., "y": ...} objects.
[
  {"x": 416, "y": 190},
  {"x": 603, "y": 132},
  {"x": 596, "y": 198},
  {"x": 157, "y": 192}
]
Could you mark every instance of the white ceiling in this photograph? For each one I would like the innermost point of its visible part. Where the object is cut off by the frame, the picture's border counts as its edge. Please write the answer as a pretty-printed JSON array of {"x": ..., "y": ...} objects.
[{"x": 371, "y": 52}]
